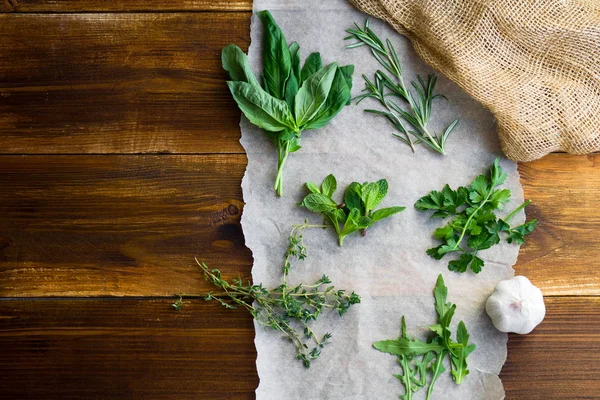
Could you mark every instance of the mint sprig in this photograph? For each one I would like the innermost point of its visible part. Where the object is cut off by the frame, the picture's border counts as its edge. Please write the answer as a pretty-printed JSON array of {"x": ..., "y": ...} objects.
[{"x": 357, "y": 212}]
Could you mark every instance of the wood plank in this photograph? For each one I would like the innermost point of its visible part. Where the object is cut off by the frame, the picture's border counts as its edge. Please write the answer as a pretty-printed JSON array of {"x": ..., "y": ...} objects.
[
  {"x": 559, "y": 359},
  {"x": 118, "y": 225},
  {"x": 131, "y": 225},
  {"x": 118, "y": 83},
  {"x": 563, "y": 255},
  {"x": 125, "y": 349},
  {"x": 131, "y": 348},
  {"x": 28, "y": 6}
]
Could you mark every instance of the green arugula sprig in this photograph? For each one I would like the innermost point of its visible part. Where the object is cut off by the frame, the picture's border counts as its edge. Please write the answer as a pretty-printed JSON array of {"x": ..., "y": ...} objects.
[
  {"x": 287, "y": 309},
  {"x": 420, "y": 359},
  {"x": 357, "y": 212},
  {"x": 384, "y": 88},
  {"x": 473, "y": 219},
  {"x": 291, "y": 99}
]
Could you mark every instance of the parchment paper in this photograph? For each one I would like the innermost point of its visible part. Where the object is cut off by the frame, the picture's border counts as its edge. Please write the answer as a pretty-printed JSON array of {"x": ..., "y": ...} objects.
[{"x": 388, "y": 267}]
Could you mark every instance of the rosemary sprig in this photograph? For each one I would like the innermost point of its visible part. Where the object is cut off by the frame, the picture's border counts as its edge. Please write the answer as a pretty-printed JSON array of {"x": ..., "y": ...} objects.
[
  {"x": 383, "y": 87},
  {"x": 287, "y": 309}
]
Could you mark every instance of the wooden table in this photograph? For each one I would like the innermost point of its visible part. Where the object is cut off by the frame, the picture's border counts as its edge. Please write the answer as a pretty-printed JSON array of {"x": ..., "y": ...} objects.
[{"x": 120, "y": 162}]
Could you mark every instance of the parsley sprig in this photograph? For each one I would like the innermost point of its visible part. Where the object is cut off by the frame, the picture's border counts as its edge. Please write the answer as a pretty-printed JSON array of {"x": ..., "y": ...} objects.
[
  {"x": 287, "y": 309},
  {"x": 384, "y": 88},
  {"x": 473, "y": 219},
  {"x": 418, "y": 359},
  {"x": 357, "y": 212}
]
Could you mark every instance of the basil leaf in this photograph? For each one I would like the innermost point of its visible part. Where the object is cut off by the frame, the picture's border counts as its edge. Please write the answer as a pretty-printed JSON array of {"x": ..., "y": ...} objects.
[
  {"x": 339, "y": 96},
  {"x": 235, "y": 62},
  {"x": 262, "y": 109},
  {"x": 313, "y": 94},
  {"x": 312, "y": 64},
  {"x": 292, "y": 85},
  {"x": 277, "y": 62}
]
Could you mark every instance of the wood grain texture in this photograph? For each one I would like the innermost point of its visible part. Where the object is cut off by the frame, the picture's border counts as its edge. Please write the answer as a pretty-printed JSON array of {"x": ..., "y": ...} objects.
[
  {"x": 118, "y": 83},
  {"x": 125, "y": 349},
  {"x": 118, "y": 225},
  {"x": 131, "y": 225},
  {"x": 133, "y": 349},
  {"x": 563, "y": 255},
  {"x": 62, "y": 6},
  {"x": 559, "y": 359}
]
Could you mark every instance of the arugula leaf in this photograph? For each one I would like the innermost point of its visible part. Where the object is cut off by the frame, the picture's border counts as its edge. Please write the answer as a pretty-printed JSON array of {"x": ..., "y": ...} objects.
[
  {"x": 352, "y": 215},
  {"x": 262, "y": 109},
  {"x": 313, "y": 93},
  {"x": 473, "y": 219},
  {"x": 277, "y": 59},
  {"x": 433, "y": 352}
]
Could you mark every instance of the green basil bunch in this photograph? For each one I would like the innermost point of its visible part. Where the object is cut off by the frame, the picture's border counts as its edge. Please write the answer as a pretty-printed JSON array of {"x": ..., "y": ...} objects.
[{"x": 291, "y": 99}]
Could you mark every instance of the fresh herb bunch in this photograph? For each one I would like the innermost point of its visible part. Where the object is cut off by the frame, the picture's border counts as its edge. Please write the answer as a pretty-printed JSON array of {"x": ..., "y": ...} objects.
[
  {"x": 357, "y": 212},
  {"x": 385, "y": 88},
  {"x": 419, "y": 359},
  {"x": 287, "y": 309},
  {"x": 473, "y": 219},
  {"x": 291, "y": 99}
]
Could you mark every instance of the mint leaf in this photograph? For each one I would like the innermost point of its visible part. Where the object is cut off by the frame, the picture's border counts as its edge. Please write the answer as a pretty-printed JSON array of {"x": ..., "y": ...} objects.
[
  {"x": 386, "y": 212},
  {"x": 329, "y": 185},
  {"x": 318, "y": 202}
]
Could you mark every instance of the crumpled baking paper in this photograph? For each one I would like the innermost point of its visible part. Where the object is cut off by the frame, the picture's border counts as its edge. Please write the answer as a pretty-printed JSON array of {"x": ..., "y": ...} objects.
[{"x": 388, "y": 267}]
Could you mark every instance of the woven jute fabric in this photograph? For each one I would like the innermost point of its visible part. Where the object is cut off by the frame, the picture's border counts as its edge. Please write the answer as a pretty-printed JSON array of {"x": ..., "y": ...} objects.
[{"x": 535, "y": 64}]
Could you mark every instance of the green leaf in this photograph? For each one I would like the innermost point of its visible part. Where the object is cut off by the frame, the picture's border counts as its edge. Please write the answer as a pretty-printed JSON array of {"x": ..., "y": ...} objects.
[
  {"x": 318, "y": 202},
  {"x": 499, "y": 198},
  {"x": 382, "y": 213},
  {"x": 479, "y": 189},
  {"x": 261, "y": 109},
  {"x": 277, "y": 59},
  {"x": 312, "y": 64},
  {"x": 440, "y": 293},
  {"x": 462, "y": 264},
  {"x": 312, "y": 187},
  {"x": 460, "y": 353},
  {"x": 312, "y": 94},
  {"x": 483, "y": 241},
  {"x": 444, "y": 233},
  {"x": 293, "y": 82},
  {"x": 370, "y": 195},
  {"x": 329, "y": 185},
  {"x": 517, "y": 234},
  {"x": 352, "y": 197},
  {"x": 476, "y": 264},
  {"x": 235, "y": 62},
  {"x": 339, "y": 95},
  {"x": 355, "y": 222},
  {"x": 347, "y": 72},
  {"x": 496, "y": 174},
  {"x": 434, "y": 252},
  {"x": 406, "y": 347}
]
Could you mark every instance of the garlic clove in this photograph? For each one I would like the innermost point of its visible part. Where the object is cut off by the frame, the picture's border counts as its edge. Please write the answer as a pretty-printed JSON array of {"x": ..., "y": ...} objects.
[{"x": 516, "y": 305}]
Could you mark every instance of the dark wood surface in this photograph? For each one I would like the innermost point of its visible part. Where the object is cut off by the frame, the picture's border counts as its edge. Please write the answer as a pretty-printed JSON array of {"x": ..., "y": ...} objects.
[{"x": 120, "y": 162}]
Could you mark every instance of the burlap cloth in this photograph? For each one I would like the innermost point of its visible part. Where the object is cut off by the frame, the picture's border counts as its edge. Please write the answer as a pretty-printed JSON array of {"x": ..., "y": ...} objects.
[{"x": 534, "y": 63}]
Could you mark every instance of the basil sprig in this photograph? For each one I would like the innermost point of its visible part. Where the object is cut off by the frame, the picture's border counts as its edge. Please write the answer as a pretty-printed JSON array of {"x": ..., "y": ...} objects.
[{"x": 291, "y": 99}]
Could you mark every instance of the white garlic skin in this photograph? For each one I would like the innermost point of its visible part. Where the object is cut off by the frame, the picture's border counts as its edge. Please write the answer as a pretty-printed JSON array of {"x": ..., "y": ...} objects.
[{"x": 516, "y": 306}]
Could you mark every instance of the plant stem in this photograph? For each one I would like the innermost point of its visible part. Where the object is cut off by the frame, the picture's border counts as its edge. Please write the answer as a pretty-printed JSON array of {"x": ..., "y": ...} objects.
[
  {"x": 439, "y": 362},
  {"x": 512, "y": 214},
  {"x": 283, "y": 153}
]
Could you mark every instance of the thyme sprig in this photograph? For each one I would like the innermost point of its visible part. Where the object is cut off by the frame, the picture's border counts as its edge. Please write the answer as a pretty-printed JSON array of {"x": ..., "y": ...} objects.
[
  {"x": 287, "y": 309},
  {"x": 383, "y": 88}
]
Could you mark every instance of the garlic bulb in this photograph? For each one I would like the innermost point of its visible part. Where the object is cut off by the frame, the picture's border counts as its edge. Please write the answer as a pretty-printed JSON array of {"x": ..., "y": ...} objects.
[{"x": 516, "y": 306}]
